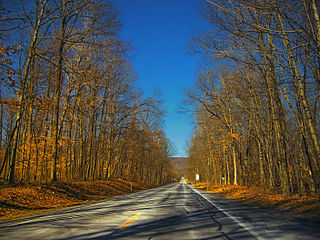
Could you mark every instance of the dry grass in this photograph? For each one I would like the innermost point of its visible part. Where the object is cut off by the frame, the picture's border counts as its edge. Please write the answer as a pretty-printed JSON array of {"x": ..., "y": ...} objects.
[
  {"x": 22, "y": 200},
  {"x": 306, "y": 205}
]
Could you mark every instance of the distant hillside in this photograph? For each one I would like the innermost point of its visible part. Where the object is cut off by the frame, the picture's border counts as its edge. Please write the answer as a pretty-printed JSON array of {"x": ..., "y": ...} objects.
[{"x": 179, "y": 164}]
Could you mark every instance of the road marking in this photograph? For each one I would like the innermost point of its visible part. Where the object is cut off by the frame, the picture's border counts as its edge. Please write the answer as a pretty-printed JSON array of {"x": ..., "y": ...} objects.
[
  {"x": 246, "y": 226},
  {"x": 129, "y": 221}
]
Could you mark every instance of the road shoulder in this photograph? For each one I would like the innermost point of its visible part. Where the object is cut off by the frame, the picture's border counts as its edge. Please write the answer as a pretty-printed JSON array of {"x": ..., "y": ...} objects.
[{"x": 25, "y": 200}]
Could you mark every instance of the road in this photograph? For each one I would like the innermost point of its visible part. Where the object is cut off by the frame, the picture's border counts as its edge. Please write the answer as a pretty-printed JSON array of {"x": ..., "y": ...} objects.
[{"x": 176, "y": 211}]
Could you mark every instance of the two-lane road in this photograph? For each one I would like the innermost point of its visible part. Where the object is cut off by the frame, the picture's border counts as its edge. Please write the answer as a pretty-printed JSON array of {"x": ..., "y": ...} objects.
[{"x": 176, "y": 211}]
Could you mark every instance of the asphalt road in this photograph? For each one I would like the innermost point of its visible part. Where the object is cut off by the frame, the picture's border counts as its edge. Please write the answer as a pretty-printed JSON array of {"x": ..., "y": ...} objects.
[{"x": 176, "y": 211}]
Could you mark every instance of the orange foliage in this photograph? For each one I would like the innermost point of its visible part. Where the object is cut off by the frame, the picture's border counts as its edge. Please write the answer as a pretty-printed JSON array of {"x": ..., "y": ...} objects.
[
  {"x": 233, "y": 136},
  {"x": 6, "y": 73}
]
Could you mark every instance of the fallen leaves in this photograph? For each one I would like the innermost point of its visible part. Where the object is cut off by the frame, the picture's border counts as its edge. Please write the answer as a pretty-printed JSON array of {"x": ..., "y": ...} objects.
[
  {"x": 253, "y": 195},
  {"x": 21, "y": 200}
]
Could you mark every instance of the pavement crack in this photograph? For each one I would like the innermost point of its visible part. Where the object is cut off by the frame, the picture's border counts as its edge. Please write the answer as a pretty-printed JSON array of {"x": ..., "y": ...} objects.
[
  {"x": 226, "y": 236},
  {"x": 185, "y": 210}
]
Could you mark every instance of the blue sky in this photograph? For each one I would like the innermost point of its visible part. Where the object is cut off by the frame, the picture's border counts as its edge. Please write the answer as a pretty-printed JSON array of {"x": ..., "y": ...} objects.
[{"x": 159, "y": 31}]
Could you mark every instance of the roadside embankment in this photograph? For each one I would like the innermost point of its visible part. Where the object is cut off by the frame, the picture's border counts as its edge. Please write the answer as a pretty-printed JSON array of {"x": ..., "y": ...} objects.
[
  {"x": 306, "y": 205},
  {"x": 21, "y": 199}
]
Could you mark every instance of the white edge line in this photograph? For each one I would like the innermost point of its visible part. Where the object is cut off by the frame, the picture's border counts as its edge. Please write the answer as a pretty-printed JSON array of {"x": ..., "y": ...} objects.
[{"x": 246, "y": 226}]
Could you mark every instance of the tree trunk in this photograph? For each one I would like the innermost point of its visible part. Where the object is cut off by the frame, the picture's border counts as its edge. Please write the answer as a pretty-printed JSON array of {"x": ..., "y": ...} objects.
[{"x": 58, "y": 93}]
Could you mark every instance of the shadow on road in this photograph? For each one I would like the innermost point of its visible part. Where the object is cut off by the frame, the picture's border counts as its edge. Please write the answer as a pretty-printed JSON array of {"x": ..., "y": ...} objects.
[{"x": 171, "y": 212}]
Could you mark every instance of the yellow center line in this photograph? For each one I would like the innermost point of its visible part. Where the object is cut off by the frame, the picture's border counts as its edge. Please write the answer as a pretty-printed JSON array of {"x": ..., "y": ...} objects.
[{"x": 129, "y": 221}]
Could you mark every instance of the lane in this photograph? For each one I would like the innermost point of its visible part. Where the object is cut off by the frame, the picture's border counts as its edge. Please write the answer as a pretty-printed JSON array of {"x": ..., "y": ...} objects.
[
  {"x": 182, "y": 214},
  {"x": 266, "y": 223},
  {"x": 176, "y": 211},
  {"x": 88, "y": 220}
]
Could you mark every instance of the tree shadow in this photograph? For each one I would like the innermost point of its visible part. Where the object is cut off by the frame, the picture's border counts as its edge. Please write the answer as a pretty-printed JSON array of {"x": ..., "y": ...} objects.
[{"x": 179, "y": 214}]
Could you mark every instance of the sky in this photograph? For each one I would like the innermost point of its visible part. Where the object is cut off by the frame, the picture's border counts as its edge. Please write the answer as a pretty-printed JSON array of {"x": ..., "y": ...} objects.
[{"x": 159, "y": 31}]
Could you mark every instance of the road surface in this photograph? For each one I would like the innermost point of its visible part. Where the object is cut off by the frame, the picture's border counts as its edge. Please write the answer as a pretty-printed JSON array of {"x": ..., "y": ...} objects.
[{"x": 177, "y": 211}]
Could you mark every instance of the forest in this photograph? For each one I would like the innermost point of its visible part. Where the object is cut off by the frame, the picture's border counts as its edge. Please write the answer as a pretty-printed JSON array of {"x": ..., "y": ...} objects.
[
  {"x": 70, "y": 110},
  {"x": 255, "y": 102},
  {"x": 69, "y": 107}
]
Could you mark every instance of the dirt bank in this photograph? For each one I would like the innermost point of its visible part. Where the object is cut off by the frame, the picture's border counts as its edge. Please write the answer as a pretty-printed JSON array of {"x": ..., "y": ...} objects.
[
  {"x": 306, "y": 205},
  {"x": 21, "y": 200}
]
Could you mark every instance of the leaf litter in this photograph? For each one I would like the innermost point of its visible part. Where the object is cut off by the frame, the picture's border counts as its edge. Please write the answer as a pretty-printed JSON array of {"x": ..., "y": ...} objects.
[
  {"x": 23, "y": 199},
  {"x": 303, "y": 205}
]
